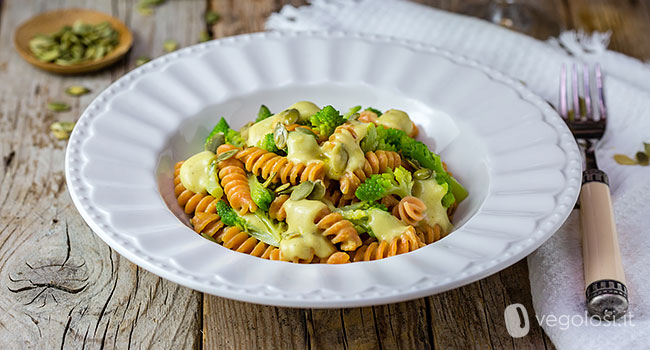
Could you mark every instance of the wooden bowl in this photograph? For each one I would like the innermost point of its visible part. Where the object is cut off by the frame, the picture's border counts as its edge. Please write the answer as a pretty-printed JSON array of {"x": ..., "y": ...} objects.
[{"x": 51, "y": 22}]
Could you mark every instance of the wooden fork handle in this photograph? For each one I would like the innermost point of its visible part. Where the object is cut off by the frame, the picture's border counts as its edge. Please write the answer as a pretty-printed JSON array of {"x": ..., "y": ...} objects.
[{"x": 604, "y": 277}]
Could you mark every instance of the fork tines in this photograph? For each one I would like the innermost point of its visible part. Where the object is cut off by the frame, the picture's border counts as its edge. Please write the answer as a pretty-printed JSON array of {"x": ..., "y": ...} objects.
[{"x": 581, "y": 107}]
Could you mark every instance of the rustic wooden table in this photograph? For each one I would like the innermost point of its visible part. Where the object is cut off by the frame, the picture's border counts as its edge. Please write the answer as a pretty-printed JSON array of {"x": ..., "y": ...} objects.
[{"x": 62, "y": 287}]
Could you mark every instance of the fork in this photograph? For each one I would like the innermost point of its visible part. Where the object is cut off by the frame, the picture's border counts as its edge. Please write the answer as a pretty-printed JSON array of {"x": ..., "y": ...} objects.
[{"x": 605, "y": 288}]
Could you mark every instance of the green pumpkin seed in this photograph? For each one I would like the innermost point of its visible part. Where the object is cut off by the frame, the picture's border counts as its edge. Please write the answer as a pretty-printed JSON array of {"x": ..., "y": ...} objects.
[
  {"x": 302, "y": 191},
  {"x": 288, "y": 116},
  {"x": 62, "y": 130},
  {"x": 280, "y": 135},
  {"x": 76, "y": 90},
  {"x": 413, "y": 163},
  {"x": 268, "y": 181},
  {"x": 211, "y": 18},
  {"x": 142, "y": 60},
  {"x": 213, "y": 187},
  {"x": 58, "y": 106},
  {"x": 354, "y": 116},
  {"x": 214, "y": 142},
  {"x": 423, "y": 174},
  {"x": 318, "y": 192},
  {"x": 306, "y": 131},
  {"x": 642, "y": 158},
  {"x": 226, "y": 155},
  {"x": 170, "y": 45},
  {"x": 282, "y": 187},
  {"x": 622, "y": 159}
]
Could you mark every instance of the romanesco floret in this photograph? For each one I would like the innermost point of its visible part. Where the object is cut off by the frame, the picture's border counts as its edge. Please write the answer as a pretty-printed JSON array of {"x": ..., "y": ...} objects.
[
  {"x": 263, "y": 113},
  {"x": 257, "y": 224},
  {"x": 399, "y": 182},
  {"x": 326, "y": 120},
  {"x": 261, "y": 195},
  {"x": 267, "y": 143},
  {"x": 232, "y": 136}
]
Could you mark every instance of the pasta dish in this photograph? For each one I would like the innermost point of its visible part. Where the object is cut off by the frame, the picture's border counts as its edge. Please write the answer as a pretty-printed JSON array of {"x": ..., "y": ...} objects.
[{"x": 313, "y": 185}]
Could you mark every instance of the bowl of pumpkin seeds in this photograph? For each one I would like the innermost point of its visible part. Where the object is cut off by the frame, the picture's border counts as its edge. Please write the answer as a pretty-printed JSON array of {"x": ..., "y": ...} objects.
[{"x": 72, "y": 41}]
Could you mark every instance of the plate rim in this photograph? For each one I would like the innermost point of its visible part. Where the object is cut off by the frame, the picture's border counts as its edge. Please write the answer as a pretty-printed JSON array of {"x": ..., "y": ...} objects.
[{"x": 73, "y": 181}]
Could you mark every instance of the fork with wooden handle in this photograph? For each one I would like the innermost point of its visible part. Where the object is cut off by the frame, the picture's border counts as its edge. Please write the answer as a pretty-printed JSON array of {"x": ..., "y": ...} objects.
[{"x": 604, "y": 277}]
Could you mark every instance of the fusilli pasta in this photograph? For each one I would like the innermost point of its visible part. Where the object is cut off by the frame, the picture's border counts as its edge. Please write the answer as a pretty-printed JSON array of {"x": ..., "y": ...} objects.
[
  {"x": 268, "y": 164},
  {"x": 234, "y": 182}
]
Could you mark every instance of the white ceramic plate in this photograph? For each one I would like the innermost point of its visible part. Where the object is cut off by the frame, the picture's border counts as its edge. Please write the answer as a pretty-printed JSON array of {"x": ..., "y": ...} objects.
[{"x": 506, "y": 145}]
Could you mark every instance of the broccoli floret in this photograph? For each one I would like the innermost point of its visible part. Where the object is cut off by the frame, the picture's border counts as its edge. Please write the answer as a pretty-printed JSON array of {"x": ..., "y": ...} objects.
[
  {"x": 389, "y": 139},
  {"x": 229, "y": 216},
  {"x": 261, "y": 195},
  {"x": 358, "y": 214},
  {"x": 263, "y": 113},
  {"x": 257, "y": 224},
  {"x": 232, "y": 136},
  {"x": 399, "y": 182},
  {"x": 374, "y": 110},
  {"x": 351, "y": 111},
  {"x": 268, "y": 143},
  {"x": 326, "y": 120}
]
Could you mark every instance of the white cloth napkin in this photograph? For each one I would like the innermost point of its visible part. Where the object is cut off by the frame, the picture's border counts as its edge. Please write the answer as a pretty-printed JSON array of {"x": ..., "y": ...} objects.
[{"x": 556, "y": 272}]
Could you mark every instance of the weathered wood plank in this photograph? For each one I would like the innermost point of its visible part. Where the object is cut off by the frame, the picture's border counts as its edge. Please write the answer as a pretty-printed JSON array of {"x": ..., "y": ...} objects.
[{"x": 61, "y": 286}]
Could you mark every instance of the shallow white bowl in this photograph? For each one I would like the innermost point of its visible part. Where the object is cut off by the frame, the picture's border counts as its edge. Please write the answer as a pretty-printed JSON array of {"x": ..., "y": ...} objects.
[{"x": 507, "y": 146}]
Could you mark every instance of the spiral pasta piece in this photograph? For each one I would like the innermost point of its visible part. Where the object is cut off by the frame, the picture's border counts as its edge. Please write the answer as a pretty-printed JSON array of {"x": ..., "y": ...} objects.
[
  {"x": 276, "y": 209},
  {"x": 235, "y": 239},
  {"x": 207, "y": 223},
  {"x": 376, "y": 162},
  {"x": 410, "y": 210},
  {"x": 407, "y": 242},
  {"x": 190, "y": 201},
  {"x": 428, "y": 234},
  {"x": 268, "y": 164},
  {"x": 336, "y": 197},
  {"x": 235, "y": 182},
  {"x": 342, "y": 230}
]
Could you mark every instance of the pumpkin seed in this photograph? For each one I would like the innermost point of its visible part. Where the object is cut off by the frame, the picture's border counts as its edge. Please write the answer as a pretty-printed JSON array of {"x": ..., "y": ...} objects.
[
  {"x": 318, "y": 192},
  {"x": 340, "y": 159},
  {"x": 282, "y": 187},
  {"x": 642, "y": 158},
  {"x": 423, "y": 174},
  {"x": 62, "y": 130},
  {"x": 622, "y": 159},
  {"x": 211, "y": 18},
  {"x": 289, "y": 116},
  {"x": 269, "y": 180},
  {"x": 76, "y": 90},
  {"x": 142, "y": 60},
  {"x": 306, "y": 131},
  {"x": 170, "y": 45},
  {"x": 280, "y": 135},
  {"x": 413, "y": 163},
  {"x": 214, "y": 142},
  {"x": 58, "y": 106},
  {"x": 226, "y": 155},
  {"x": 302, "y": 191},
  {"x": 354, "y": 116}
]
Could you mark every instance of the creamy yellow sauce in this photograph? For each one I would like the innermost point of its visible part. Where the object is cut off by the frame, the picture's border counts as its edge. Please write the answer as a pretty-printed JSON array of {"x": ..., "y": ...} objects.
[
  {"x": 260, "y": 129},
  {"x": 302, "y": 237},
  {"x": 343, "y": 154},
  {"x": 306, "y": 109},
  {"x": 396, "y": 119},
  {"x": 303, "y": 148},
  {"x": 384, "y": 225},
  {"x": 431, "y": 193},
  {"x": 195, "y": 171}
]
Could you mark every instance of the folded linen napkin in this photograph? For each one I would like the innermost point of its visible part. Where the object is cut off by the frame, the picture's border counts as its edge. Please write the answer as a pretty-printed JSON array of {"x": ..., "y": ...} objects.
[{"x": 556, "y": 272}]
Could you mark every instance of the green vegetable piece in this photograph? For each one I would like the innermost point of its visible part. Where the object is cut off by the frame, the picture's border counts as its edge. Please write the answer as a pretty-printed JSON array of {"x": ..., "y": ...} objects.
[
  {"x": 257, "y": 224},
  {"x": 326, "y": 120},
  {"x": 351, "y": 111},
  {"x": 232, "y": 137},
  {"x": 76, "y": 90},
  {"x": 62, "y": 130},
  {"x": 211, "y": 17},
  {"x": 58, "y": 106},
  {"x": 622, "y": 159},
  {"x": 399, "y": 182},
  {"x": 261, "y": 195},
  {"x": 358, "y": 215},
  {"x": 213, "y": 187},
  {"x": 170, "y": 45},
  {"x": 263, "y": 113},
  {"x": 267, "y": 143},
  {"x": 642, "y": 158},
  {"x": 229, "y": 216},
  {"x": 213, "y": 142}
]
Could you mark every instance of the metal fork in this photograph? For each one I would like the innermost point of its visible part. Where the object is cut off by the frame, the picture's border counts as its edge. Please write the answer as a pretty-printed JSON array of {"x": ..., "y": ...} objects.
[{"x": 604, "y": 277}]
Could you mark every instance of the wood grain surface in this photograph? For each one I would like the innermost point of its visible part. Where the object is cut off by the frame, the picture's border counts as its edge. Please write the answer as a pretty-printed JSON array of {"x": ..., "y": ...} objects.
[{"x": 62, "y": 287}]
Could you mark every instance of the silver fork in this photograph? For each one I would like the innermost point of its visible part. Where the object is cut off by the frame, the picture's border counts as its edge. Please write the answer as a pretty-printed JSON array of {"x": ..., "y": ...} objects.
[{"x": 605, "y": 288}]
